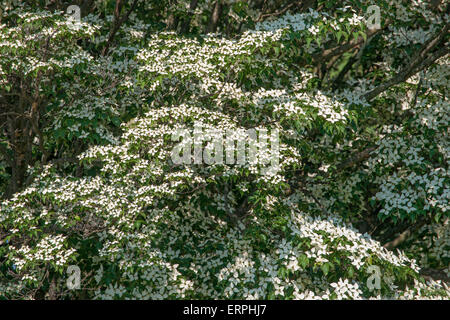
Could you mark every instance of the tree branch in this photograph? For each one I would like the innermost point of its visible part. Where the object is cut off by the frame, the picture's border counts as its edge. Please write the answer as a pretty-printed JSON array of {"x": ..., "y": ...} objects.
[
  {"x": 418, "y": 63},
  {"x": 118, "y": 21}
]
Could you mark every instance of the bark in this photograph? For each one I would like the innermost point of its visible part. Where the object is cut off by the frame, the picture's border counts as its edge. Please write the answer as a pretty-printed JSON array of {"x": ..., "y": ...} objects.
[
  {"x": 402, "y": 237},
  {"x": 118, "y": 21},
  {"x": 421, "y": 60},
  {"x": 185, "y": 26},
  {"x": 215, "y": 16}
]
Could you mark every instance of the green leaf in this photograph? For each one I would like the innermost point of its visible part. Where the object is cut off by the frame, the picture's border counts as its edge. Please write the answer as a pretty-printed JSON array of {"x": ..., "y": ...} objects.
[
  {"x": 277, "y": 50},
  {"x": 364, "y": 35},
  {"x": 325, "y": 268},
  {"x": 303, "y": 260}
]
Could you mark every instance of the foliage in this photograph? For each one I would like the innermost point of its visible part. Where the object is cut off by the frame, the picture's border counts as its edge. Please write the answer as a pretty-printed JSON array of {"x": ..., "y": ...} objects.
[{"x": 88, "y": 111}]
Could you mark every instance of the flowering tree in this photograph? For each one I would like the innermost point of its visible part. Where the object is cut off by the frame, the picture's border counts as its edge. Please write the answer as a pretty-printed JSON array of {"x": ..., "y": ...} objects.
[{"x": 350, "y": 201}]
